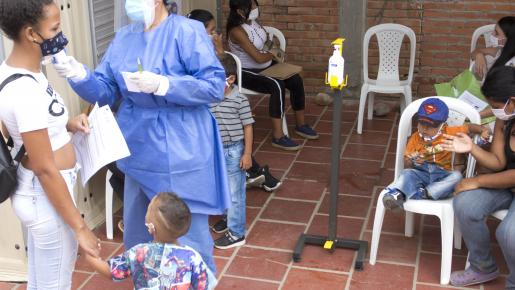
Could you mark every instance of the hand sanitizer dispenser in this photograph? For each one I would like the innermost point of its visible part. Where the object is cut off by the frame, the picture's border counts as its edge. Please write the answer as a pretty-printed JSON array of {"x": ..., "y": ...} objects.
[
  {"x": 336, "y": 72},
  {"x": 336, "y": 66}
]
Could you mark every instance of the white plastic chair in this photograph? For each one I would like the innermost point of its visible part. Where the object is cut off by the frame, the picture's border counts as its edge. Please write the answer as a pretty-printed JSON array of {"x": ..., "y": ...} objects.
[
  {"x": 484, "y": 31},
  {"x": 441, "y": 208},
  {"x": 109, "y": 206},
  {"x": 389, "y": 38},
  {"x": 272, "y": 32}
]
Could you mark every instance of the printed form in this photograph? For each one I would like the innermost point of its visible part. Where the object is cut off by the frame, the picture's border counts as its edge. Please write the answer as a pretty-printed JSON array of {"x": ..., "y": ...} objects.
[{"x": 103, "y": 145}]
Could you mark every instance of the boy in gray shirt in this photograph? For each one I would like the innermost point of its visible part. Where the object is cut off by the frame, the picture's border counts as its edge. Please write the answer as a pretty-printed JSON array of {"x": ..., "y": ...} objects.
[{"x": 234, "y": 119}]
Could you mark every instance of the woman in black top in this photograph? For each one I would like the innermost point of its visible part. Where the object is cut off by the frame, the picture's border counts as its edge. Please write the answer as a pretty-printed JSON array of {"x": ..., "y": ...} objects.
[{"x": 480, "y": 196}]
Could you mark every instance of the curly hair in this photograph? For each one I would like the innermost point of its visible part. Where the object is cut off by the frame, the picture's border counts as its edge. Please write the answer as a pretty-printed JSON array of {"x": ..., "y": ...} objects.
[{"x": 16, "y": 14}]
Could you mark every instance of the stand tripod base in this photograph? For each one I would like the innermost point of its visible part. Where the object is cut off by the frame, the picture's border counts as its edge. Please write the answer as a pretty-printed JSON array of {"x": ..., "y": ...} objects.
[{"x": 356, "y": 245}]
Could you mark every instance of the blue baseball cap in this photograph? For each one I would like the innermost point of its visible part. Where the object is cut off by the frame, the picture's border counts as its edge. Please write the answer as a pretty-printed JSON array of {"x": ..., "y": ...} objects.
[{"x": 433, "y": 112}]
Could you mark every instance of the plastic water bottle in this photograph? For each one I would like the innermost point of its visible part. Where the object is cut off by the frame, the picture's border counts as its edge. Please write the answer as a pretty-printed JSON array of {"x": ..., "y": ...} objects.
[{"x": 335, "y": 71}]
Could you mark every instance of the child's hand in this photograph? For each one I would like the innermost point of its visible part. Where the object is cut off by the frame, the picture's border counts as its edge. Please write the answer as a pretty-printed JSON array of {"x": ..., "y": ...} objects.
[
  {"x": 245, "y": 161},
  {"x": 486, "y": 133},
  {"x": 99, "y": 265},
  {"x": 415, "y": 158}
]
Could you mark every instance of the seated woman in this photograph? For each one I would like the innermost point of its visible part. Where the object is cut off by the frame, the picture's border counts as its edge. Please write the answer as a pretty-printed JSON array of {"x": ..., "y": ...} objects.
[
  {"x": 478, "y": 197},
  {"x": 247, "y": 40},
  {"x": 502, "y": 51}
]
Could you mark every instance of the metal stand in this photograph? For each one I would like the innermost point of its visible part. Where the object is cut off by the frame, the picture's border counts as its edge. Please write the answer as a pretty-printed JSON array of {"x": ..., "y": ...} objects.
[{"x": 331, "y": 242}]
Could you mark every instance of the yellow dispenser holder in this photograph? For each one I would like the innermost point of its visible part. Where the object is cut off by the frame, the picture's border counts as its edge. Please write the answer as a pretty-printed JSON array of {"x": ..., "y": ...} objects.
[{"x": 331, "y": 241}]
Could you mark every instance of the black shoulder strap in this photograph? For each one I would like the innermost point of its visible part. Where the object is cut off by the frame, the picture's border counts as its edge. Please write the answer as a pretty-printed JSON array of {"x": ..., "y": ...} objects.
[{"x": 12, "y": 78}]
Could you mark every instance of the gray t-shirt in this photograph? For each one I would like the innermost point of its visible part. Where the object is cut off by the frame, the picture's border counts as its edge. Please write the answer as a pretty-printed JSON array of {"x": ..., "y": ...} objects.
[{"x": 232, "y": 114}]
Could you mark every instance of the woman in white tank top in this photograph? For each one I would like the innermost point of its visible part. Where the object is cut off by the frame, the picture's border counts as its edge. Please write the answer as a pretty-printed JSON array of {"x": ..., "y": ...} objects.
[{"x": 247, "y": 39}]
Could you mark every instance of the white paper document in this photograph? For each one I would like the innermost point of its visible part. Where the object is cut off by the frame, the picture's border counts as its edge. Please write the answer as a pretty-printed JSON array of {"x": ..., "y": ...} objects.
[
  {"x": 131, "y": 86},
  {"x": 472, "y": 100},
  {"x": 103, "y": 145}
]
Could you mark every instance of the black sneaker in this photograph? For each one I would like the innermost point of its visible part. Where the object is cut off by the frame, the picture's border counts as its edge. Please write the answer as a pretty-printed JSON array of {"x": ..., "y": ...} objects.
[
  {"x": 254, "y": 178},
  {"x": 271, "y": 183},
  {"x": 229, "y": 241},
  {"x": 393, "y": 200},
  {"x": 220, "y": 226}
]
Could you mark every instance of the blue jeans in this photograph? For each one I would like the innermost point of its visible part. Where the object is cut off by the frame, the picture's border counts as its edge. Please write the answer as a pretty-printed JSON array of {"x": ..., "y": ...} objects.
[
  {"x": 438, "y": 182},
  {"x": 236, "y": 215},
  {"x": 471, "y": 209}
]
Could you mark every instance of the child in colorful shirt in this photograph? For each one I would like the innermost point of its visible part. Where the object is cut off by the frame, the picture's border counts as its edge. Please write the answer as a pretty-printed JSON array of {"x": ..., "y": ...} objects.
[
  {"x": 161, "y": 264},
  {"x": 429, "y": 172}
]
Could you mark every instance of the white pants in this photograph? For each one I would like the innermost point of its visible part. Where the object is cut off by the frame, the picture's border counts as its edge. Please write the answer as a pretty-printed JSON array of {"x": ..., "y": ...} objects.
[{"x": 51, "y": 244}]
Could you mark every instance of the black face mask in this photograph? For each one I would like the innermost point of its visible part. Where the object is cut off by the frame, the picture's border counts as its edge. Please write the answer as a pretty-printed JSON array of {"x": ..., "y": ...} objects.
[{"x": 52, "y": 45}]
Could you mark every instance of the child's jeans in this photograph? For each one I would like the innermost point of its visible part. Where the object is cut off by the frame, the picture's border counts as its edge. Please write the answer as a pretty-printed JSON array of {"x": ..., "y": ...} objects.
[
  {"x": 438, "y": 182},
  {"x": 51, "y": 243},
  {"x": 236, "y": 216}
]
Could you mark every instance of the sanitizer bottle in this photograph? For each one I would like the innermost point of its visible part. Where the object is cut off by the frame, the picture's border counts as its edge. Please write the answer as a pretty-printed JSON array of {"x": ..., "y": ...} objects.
[{"x": 336, "y": 66}]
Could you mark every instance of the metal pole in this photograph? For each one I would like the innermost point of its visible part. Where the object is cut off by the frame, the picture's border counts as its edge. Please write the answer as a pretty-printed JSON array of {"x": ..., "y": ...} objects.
[
  {"x": 219, "y": 15},
  {"x": 335, "y": 163}
]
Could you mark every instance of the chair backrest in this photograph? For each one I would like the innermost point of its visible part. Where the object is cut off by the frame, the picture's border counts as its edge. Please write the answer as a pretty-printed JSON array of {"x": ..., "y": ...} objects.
[
  {"x": 238, "y": 68},
  {"x": 389, "y": 38},
  {"x": 274, "y": 32},
  {"x": 456, "y": 106},
  {"x": 484, "y": 31}
]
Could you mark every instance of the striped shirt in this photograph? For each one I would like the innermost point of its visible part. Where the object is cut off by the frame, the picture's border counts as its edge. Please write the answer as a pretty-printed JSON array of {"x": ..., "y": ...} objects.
[{"x": 232, "y": 114}]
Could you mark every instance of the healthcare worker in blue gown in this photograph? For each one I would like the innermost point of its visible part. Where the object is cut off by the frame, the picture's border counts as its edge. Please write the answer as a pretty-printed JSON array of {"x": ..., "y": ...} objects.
[{"x": 172, "y": 136}]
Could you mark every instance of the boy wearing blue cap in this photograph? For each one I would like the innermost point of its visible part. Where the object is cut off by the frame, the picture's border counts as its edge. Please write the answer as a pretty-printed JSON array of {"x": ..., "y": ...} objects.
[{"x": 428, "y": 170}]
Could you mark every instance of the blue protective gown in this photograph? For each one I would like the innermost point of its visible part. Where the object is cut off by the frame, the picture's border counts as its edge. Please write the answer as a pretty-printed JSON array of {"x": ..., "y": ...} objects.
[{"x": 173, "y": 139}]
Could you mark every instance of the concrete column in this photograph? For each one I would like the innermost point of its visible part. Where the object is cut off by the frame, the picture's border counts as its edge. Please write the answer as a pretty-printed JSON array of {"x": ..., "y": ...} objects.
[{"x": 352, "y": 27}]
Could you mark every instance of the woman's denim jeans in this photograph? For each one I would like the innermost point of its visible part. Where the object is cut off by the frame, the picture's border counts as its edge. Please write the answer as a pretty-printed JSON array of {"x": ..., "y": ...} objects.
[
  {"x": 471, "y": 209},
  {"x": 51, "y": 244},
  {"x": 438, "y": 182},
  {"x": 236, "y": 216}
]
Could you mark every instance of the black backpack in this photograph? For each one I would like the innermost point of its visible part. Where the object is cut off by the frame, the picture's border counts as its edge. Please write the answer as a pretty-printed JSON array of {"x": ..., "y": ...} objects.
[{"x": 8, "y": 168}]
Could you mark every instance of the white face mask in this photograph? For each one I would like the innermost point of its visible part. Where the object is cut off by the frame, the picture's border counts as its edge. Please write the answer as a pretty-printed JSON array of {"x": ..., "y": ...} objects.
[
  {"x": 501, "y": 113},
  {"x": 141, "y": 10},
  {"x": 254, "y": 14},
  {"x": 432, "y": 138},
  {"x": 495, "y": 41}
]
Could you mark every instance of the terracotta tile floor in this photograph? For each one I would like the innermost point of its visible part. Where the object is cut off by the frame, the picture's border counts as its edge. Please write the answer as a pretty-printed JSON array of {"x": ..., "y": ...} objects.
[{"x": 275, "y": 220}]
